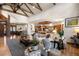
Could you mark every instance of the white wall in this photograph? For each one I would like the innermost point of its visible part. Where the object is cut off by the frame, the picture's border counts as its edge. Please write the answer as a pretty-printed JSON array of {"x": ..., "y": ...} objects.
[{"x": 68, "y": 32}]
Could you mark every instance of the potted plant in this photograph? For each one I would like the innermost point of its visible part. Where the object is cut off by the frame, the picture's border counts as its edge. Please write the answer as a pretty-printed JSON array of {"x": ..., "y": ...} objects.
[
  {"x": 61, "y": 33},
  {"x": 35, "y": 44}
]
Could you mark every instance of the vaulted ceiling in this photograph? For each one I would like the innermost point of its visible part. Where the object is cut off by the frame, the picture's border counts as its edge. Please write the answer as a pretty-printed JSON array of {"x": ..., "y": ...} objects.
[{"x": 26, "y": 9}]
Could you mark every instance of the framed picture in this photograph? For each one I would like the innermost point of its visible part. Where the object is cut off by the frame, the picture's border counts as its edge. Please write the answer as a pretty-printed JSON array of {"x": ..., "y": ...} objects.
[{"x": 72, "y": 22}]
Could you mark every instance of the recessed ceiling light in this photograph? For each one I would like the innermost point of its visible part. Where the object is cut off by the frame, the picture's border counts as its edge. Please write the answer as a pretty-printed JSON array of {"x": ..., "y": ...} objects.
[{"x": 33, "y": 6}]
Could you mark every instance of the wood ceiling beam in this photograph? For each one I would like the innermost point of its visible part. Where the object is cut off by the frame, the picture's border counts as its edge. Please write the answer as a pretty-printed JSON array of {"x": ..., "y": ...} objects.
[
  {"x": 13, "y": 12},
  {"x": 19, "y": 5},
  {"x": 0, "y": 6},
  {"x": 39, "y": 6},
  {"x": 54, "y": 3},
  {"x": 13, "y": 7},
  {"x": 29, "y": 8},
  {"x": 24, "y": 12},
  {"x": 34, "y": 6},
  {"x": 23, "y": 9}
]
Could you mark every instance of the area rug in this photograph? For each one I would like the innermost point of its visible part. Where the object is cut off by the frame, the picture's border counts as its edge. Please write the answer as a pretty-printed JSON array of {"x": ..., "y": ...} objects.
[{"x": 16, "y": 48}]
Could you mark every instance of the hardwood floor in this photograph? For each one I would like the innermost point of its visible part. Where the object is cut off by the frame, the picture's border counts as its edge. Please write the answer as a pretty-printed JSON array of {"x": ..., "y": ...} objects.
[
  {"x": 70, "y": 50},
  {"x": 4, "y": 50}
]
